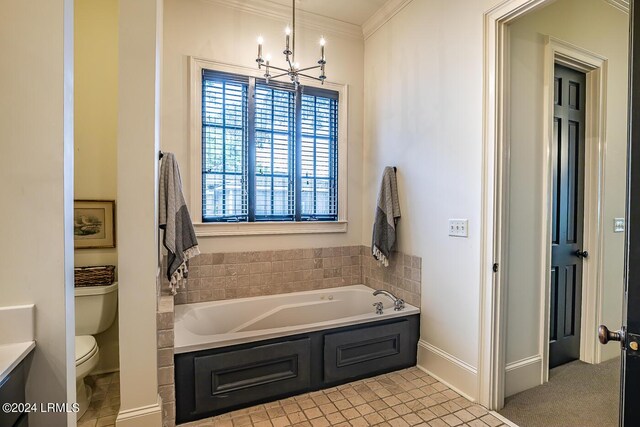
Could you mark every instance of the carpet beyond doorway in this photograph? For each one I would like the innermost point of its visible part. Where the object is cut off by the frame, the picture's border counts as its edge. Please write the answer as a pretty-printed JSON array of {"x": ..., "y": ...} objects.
[{"x": 577, "y": 395}]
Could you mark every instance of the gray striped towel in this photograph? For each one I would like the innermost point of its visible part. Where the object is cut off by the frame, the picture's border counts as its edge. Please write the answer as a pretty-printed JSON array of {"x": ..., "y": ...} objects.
[
  {"x": 387, "y": 215},
  {"x": 179, "y": 235}
]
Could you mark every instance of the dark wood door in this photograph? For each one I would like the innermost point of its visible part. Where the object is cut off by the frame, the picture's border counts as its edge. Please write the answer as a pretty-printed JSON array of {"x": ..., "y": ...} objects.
[
  {"x": 630, "y": 372},
  {"x": 567, "y": 215}
]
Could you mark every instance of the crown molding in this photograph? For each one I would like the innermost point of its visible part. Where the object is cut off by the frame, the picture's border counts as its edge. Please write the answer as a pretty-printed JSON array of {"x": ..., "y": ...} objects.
[
  {"x": 622, "y": 5},
  {"x": 384, "y": 14},
  {"x": 312, "y": 21}
]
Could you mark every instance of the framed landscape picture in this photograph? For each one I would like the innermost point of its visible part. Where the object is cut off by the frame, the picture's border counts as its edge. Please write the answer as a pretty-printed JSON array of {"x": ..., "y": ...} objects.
[{"x": 94, "y": 224}]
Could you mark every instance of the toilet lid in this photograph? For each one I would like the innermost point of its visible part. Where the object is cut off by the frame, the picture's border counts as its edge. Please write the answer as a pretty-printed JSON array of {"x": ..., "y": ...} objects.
[{"x": 86, "y": 347}]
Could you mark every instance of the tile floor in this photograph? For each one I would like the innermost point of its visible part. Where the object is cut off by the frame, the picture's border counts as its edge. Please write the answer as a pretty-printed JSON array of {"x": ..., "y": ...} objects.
[
  {"x": 404, "y": 398},
  {"x": 105, "y": 401}
]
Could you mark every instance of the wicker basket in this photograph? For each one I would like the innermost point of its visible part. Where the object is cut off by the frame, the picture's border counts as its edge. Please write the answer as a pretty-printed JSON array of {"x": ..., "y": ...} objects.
[{"x": 100, "y": 275}]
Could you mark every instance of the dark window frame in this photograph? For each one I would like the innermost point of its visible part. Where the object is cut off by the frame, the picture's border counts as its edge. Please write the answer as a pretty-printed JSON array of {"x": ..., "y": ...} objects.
[{"x": 295, "y": 161}]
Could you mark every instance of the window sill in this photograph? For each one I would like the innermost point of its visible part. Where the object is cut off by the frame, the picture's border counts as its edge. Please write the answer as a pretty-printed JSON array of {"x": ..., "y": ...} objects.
[{"x": 268, "y": 228}]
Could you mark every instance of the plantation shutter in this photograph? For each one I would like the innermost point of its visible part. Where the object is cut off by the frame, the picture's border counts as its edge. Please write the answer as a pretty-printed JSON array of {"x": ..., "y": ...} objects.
[
  {"x": 319, "y": 157},
  {"x": 275, "y": 152},
  {"x": 269, "y": 151},
  {"x": 224, "y": 147}
]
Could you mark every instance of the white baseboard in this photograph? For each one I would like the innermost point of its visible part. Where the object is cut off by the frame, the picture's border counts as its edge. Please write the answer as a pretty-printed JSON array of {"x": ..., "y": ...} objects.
[
  {"x": 522, "y": 375},
  {"x": 448, "y": 369},
  {"x": 144, "y": 416}
]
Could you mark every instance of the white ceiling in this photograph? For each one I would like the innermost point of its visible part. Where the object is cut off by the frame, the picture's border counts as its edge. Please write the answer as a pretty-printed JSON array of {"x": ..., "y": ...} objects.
[{"x": 351, "y": 11}]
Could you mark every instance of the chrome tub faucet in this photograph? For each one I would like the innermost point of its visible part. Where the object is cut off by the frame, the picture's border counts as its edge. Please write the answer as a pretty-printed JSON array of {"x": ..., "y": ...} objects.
[{"x": 398, "y": 303}]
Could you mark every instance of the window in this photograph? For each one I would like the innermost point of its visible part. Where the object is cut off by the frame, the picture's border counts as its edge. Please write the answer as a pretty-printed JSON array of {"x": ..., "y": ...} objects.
[{"x": 269, "y": 152}]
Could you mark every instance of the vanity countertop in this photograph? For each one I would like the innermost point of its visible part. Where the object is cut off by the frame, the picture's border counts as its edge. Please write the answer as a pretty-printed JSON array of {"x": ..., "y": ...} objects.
[
  {"x": 12, "y": 354},
  {"x": 18, "y": 341}
]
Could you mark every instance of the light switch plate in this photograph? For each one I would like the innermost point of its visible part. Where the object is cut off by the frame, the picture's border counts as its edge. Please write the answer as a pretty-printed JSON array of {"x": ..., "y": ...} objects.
[
  {"x": 459, "y": 227},
  {"x": 618, "y": 225}
]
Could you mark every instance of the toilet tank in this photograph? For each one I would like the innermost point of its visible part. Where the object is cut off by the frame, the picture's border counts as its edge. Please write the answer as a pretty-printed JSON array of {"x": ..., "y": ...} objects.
[{"x": 96, "y": 308}]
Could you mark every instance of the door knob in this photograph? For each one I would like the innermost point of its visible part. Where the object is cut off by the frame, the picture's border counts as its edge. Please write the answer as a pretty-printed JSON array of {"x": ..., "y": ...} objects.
[
  {"x": 582, "y": 254},
  {"x": 605, "y": 335}
]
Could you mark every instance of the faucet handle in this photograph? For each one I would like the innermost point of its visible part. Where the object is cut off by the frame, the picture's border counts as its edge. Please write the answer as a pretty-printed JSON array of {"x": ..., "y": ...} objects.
[
  {"x": 398, "y": 304},
  {"x": 379, "y": 306}
]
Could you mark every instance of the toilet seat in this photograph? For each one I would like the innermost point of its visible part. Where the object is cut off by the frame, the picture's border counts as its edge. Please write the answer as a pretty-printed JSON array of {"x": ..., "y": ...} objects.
[{"x": 86, "y": 348}]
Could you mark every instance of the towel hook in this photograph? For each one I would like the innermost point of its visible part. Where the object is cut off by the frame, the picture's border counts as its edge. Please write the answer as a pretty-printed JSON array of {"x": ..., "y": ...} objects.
[{"x": 160, "y": 155}]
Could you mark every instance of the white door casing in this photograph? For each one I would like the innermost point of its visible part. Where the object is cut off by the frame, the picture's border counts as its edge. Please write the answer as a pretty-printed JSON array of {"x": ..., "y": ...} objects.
[{"x": 495, "y": 191}]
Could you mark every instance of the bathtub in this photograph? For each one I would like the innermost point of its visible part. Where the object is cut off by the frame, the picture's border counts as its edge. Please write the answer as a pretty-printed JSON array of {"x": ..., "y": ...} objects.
[
  {"x": 237, "y": 353},
  {"x": 207, "y": 325}
]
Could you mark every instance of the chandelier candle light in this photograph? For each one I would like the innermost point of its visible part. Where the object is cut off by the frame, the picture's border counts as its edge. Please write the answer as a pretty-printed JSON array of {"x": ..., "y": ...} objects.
[{"x": 293, "y": 71}]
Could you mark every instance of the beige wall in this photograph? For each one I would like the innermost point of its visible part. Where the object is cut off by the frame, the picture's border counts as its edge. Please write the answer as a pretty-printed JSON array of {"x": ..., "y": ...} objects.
[
  {"x": 139, "y": 61},
  {"x": 423, "y": 114},
  {"x": 95, "y": 128},
  {"x": 96, "y": 109},
  {"x": 214, "y": 32},
  {"x": 602, "y": 29},
  {"x": 36, "y": 259}
]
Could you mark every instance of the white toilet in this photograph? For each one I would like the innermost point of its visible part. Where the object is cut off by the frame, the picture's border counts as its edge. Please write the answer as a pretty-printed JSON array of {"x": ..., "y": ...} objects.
[{"x": 96, "y": 308}]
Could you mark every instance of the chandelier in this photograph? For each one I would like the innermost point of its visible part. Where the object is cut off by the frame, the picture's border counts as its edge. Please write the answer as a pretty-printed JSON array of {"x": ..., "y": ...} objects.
[{"x": 293, "y": 70}]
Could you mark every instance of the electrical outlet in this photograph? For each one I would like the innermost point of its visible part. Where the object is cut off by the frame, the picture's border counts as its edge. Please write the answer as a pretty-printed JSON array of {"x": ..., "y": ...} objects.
[
  {"x": 459, "y": 227},
  {"x": 618, "y": 225}
]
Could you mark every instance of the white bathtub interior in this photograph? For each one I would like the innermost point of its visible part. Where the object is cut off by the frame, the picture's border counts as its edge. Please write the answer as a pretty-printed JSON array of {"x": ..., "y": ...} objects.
[{"x": 215, "y": 324}]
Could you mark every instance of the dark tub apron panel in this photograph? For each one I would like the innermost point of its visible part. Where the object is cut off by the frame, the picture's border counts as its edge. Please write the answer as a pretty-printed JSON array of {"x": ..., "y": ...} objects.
[
  {"x": 351, "y": 354},
  {"x": 228, "y": 379},
  {"x": 211, "y": 382}
]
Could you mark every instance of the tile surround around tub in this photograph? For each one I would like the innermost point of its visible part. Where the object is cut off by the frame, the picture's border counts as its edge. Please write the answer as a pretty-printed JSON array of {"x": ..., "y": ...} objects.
[
  {"x": 220, "y": 276},
  {"x": 402, "y": 277},
  {"x": 166, "y": 381},
  {"x": 241, "y": 274}
]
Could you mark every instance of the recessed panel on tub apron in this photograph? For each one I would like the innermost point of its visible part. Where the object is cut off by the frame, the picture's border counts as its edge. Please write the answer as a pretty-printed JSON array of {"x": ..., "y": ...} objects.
[
  {"x": 235, "y": 377},
  {"x": 365, "y": 350}
]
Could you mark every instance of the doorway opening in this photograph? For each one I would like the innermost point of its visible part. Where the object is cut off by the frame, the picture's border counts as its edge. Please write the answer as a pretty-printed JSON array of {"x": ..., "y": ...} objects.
[{"x": 559, "y": 107}]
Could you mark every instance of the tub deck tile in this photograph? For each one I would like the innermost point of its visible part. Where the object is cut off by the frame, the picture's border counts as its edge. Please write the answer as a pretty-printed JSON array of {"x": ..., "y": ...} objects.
[{"x": 409, "y": 397}]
